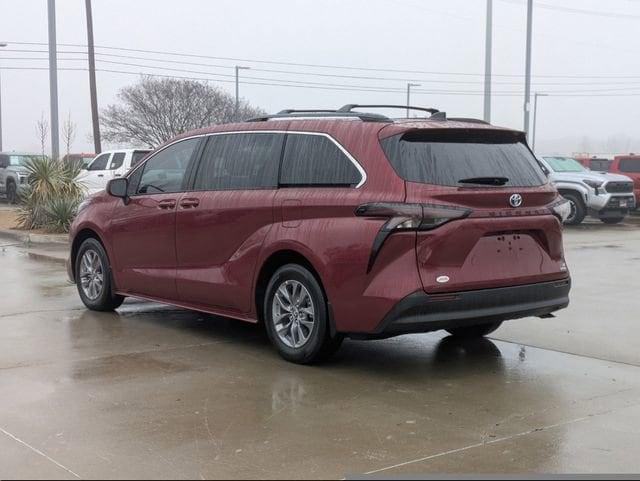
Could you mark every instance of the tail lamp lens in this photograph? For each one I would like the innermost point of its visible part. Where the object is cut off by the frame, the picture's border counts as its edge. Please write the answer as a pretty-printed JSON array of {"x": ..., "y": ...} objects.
[{"x": 561, "y": 209}]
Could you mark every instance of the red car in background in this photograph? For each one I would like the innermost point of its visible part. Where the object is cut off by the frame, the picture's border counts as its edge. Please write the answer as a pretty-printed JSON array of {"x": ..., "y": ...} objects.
[
  {"x": 331, "y": 224},
  {"x": 628, "y": 165}
]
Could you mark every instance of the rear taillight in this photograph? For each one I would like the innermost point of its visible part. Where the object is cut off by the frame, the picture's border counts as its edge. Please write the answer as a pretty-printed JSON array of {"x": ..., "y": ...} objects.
[{"x": 403, "y": 217}]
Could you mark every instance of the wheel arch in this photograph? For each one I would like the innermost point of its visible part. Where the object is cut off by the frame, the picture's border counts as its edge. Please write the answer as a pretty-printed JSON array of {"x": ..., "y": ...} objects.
[
  {"x": 80, "y": 237},
  {"x": 271, "y": 264}
]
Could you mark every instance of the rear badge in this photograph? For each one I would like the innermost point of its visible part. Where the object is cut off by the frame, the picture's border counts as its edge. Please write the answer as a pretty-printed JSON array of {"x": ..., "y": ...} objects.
[
  {"x": 442, "y": 279},
  {"x": 515, "y": 200}
]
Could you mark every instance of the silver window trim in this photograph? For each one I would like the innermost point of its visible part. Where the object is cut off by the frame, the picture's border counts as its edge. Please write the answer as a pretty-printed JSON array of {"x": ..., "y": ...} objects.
[{"x": 352, "y": 159}]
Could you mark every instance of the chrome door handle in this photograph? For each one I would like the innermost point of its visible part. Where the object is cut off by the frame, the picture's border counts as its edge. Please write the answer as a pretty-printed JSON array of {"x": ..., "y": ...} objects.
[
  {"x": 167, "y": 204},
  {"x": 189, "y": 203}
]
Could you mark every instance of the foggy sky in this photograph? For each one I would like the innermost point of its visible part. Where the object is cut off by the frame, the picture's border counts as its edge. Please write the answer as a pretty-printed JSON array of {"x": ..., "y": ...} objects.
[{"x": 425, "y": 35}]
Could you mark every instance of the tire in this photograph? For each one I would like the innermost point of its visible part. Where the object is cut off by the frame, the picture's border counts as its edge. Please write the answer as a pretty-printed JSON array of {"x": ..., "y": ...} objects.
[
  {"x": 294, "y": 291},
  {"x": 612, "y": 220},
  {"x": 12, "y": 193},
  {"x": 578, "y": 209},
  {"x": 479, "y": 330},
  {"x": 93, "y": 263}
]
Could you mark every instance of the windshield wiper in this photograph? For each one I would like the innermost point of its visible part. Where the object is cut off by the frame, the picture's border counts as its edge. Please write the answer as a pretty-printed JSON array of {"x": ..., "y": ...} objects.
[{"x": 485, "y": 180}]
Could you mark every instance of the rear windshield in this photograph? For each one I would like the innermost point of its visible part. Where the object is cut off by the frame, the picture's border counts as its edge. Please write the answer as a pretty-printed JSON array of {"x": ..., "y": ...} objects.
[
  {"x": 630, "y": 165},
  {"x": 565, "y": 164},
  {"x": 447, "y": 157}
]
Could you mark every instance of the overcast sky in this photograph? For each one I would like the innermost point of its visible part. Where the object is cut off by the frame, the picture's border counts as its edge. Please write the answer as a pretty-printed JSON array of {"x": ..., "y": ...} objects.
[{"x": 573, "y": 46}]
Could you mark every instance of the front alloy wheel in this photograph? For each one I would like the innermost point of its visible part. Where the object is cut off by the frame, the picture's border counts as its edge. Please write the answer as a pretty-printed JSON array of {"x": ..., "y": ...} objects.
[{"x": 93, "y": 277}]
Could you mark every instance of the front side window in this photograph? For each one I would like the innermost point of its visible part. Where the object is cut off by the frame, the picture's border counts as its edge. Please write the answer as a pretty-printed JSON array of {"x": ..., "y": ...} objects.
[
  {"x": 100, "y": 163},
  {"x": 315, "y": 160},
  {"x": 463, "y": 158},
  {"x": 164, "y": 172},
  {"x": 240, "y": 161},
  {"x": 564, "y": 164},
  {"x": 117, "y": 161},
  {"x": 631, "y": 166}
]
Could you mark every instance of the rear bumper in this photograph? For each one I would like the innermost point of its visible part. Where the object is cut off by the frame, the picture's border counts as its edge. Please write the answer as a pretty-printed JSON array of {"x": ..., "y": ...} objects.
[{"x": 421, "y": 312}]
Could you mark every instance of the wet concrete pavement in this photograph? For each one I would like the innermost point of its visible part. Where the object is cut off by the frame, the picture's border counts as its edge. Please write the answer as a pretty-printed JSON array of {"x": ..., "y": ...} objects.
[{"x": 154, "y": 391}]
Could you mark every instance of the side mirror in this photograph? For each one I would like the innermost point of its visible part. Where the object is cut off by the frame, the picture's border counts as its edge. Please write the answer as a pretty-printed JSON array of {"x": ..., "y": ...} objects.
[{"x": 119, "y": 188}]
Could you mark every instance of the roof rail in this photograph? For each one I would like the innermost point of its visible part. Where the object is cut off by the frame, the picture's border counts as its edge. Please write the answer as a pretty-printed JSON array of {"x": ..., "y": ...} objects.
[
  {"x": 469, "y": 120},
  {"x": 435, "y": 113},
  {"x": 322, "y": 113}
]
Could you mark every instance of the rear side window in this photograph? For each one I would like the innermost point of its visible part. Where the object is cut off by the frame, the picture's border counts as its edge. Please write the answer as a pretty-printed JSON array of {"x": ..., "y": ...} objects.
[
  {"x": 447, "y": 157},
  {"x": 315, "y": 160},
  {"x": 100, "y": 163},
  {"x": 630, "y": 165},
  {"x": 240, "y": 161},
  {"x": 117, "y": 161}
]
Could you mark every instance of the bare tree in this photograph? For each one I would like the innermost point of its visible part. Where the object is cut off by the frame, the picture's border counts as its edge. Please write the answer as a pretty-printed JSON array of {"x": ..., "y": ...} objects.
[
  {"x": 153, "y": 111},
  {"x": 42, "y": 130},
  {"x": 68, "y": 133}
]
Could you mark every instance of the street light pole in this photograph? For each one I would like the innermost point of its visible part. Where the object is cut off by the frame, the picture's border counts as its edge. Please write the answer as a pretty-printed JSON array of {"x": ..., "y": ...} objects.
[
  {"x": 2, "y": 44},
  {"x": 487, "y": 62},
  {"x": 53, "y": 80},
  {"x": 527, "y": 81},
  {"x": 237, "y": 108},
  {"x": 409, "y": 85},
  {"x": 535, "y": 119}
]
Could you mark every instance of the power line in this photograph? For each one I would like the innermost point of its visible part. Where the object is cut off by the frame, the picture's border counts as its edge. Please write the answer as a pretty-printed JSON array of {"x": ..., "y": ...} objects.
[
  {"x": 336, "y": 67},
  {"x": 579, "y": 11}
]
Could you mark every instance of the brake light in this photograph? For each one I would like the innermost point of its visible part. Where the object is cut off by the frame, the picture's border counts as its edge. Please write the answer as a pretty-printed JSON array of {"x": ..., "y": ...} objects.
[{"x": 403, "y": 217}]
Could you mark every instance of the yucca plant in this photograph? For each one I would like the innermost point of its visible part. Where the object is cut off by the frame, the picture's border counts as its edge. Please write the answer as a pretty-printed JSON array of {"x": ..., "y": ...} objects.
[{"x": 51, "y": 198}]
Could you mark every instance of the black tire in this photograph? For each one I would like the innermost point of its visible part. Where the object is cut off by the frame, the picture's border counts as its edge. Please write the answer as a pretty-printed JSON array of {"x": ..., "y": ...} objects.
[
  {"x": 469, "y": 332},
  {"x": 12, "y": 193},
  {"x": 578, "y": 209},
  {"x": 105, "y": 300},
  {"x": 320, "y": 344},
  {"x": 612, "y": 220}
]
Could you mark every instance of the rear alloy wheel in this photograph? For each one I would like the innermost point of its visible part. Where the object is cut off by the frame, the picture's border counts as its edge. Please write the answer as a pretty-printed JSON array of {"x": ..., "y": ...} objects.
[
  {"x": 12, "y": 193},
  {"x": 578, "y": 210},
  {"x": 479, "y": 330},
  {"x": 296, "y": 316},
  {"x": 93, "y": 278},
  {"x": 612, "y": 220}
]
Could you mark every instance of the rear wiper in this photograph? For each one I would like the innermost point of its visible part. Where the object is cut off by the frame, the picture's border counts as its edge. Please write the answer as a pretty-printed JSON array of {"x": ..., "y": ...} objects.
[{"x": 485, "y": 180}]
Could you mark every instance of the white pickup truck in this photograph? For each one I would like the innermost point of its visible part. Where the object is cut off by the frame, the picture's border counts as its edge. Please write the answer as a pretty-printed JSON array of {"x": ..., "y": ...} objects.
[{"x": 109, "y": 165}]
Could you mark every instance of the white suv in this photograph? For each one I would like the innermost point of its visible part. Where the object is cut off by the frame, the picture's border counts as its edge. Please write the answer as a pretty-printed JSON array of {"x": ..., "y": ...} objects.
[{"x": 109, "y": 165}]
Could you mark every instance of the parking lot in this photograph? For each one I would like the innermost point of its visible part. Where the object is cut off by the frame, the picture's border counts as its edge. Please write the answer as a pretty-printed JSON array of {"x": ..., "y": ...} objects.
[{"x": 159, "y": 392}]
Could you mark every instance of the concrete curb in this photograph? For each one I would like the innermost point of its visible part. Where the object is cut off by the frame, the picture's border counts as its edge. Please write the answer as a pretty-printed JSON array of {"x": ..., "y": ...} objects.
[
  {"x": 29, "y": 238},
  {"x": 40, "y": 256}
]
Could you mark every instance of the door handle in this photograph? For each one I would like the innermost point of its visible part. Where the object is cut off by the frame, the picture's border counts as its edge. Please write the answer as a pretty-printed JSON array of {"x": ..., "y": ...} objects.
[
  {"x": 189, "y": 203},
  {"x": 100, "y": 175},
  {"x": 167, "y": 204}
]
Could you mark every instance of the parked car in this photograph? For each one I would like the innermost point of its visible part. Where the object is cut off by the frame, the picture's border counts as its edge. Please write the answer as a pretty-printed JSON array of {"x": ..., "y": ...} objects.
[
  {"x": 608, "y": 197},
  {"x": 13, "y": 174},
  {"x": 597, "y": 164},
  {"x": 629, "y": 165},
  {"x": 323, "y": 225},
  {"x": 81, "y": 160},
  {"x": 109, "y": 165}
]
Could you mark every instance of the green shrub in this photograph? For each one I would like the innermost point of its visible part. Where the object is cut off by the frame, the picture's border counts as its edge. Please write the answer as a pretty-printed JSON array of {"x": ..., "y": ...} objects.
[{"x": 52, "y": 196}]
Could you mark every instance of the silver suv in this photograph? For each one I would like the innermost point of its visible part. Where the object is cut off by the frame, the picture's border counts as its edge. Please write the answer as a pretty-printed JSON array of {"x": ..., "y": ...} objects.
[
  {"x": 13, "y": 174},
  {"x": 608, "y": 197}
]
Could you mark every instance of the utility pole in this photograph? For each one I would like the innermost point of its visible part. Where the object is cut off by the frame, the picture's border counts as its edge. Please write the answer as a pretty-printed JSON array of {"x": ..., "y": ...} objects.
[
  {"x": 527, "y": 80},
  {"x": 236, "y": 115},
  {"x": 2, "y": 44},
  {"x": 53, "y": 81},
  {"x": 487, "y": 62},
  {"x": 409, "y": 85},
  {"x": 535, "y": 119},
  {"x": 92, "y": 80}
]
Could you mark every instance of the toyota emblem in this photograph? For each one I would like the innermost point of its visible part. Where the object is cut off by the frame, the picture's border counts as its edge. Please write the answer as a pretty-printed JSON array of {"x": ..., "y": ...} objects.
[{"x": 515, "y": 200}]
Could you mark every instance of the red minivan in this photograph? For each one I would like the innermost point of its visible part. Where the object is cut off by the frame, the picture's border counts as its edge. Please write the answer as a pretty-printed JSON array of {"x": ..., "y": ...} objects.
[
  {"x": 330, "y": 224},
  {"x": 628, "y": 165}
]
